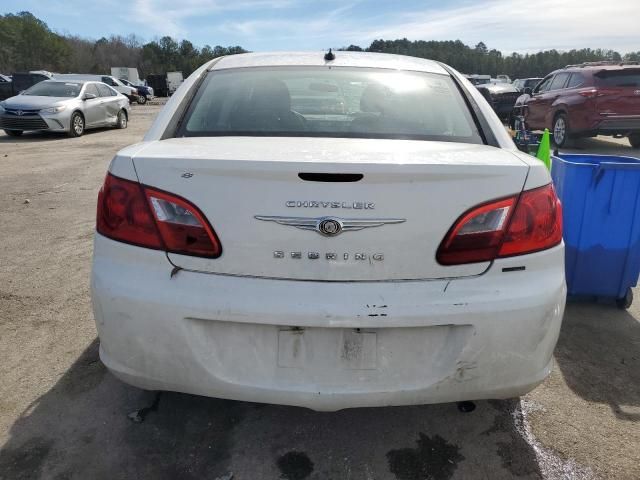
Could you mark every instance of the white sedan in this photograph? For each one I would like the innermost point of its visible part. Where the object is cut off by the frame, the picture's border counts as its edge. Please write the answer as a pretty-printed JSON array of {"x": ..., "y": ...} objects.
[{"x": 329, "y": 233}]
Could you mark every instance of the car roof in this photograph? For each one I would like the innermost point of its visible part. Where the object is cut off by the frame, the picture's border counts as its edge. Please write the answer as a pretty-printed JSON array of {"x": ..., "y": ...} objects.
[
  {"x": 342, "y": 59},
  {"x": 69, "y": 80},
  {"x": 70, "y": 75},
  {"x": 93, "y": 77},
  {"x": 597, "y": 67}
]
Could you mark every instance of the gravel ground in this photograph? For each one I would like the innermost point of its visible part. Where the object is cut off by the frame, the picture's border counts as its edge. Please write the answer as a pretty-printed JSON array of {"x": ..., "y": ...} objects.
[{"x": 63, "y": 416}]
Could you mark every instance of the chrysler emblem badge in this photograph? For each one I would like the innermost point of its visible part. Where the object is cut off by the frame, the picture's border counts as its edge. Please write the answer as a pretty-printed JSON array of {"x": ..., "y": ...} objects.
[{"x": 330, "y": 226}]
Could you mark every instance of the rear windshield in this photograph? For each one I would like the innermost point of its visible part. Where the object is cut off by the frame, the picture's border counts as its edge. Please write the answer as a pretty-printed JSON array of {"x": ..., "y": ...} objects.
[
  {"x": 619, "y": 78},
  {"x": 55, "y": 89},
  {"x": 329, "y": 102}
]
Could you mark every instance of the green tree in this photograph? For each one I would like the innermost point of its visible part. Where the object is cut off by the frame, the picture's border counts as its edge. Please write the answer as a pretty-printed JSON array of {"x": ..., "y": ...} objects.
[
  {"x": 28, "y": 43},
  {"x": 632, "y": 57}
]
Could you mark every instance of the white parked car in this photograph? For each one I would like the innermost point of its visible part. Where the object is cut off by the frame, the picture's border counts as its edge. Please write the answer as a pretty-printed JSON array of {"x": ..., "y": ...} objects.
[
  {"x": 388, "y": 246},
  {"x": 130, "y": 92}
]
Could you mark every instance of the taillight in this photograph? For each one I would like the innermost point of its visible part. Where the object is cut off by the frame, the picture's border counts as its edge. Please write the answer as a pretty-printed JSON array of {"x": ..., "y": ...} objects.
[
  {"x": 124, "y": 214},
  {"x": 536, "y": 223},
  {"x": 143, "y": 216},
  {"x": 182, "y": 226},
  {"x": 503, "y": 228},
  {"x": 477, "y": 235}
]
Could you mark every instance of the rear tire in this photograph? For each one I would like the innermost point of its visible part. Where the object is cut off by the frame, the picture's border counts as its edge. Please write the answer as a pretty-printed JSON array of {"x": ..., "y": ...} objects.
[
  {"x": 14, "y": 133},
  {"x": 560, "y": 130},
  {"x": 122, "y": 121},
  {"x": 634, "y": 140},
  {"x": 142, "y": 99},
  {"x": 77, "y": 125},
  {"x": 626, "y": 301}
]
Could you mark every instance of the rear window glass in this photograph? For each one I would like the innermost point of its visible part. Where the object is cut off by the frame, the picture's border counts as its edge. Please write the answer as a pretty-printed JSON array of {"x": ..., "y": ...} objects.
[
  {"x": 329, "y": 102},
  {"x": 619, "y": 78}
]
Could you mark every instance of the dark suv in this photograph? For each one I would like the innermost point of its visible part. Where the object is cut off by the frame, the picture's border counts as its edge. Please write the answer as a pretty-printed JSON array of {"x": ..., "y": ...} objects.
[
  {"x": 587, "y": 100},
  {"x": 501, "y": 96}
]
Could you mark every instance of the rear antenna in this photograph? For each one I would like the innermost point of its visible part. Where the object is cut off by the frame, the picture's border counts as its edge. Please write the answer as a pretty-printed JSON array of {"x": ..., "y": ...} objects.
[{"x": 329, "y": 56}]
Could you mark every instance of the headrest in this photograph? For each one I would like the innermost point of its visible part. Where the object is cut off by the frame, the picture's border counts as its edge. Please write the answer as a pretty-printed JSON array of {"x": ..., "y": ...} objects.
[
  {"x": 271, "y": 95},
  {"x": 375, "y": 98}
]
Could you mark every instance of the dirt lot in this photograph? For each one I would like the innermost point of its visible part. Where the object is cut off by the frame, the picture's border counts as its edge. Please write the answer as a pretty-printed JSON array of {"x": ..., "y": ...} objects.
[{"x": 63, "y": 416}]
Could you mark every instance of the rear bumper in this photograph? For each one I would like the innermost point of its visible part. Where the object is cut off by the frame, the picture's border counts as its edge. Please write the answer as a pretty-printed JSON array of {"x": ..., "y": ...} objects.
[{"x": 327, "y": 345}]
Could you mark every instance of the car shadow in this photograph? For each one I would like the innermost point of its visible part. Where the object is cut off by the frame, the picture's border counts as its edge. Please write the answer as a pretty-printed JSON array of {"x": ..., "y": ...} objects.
[
  {"x": 601, "y": 146},
  {"x": 29, "y": 137},
  {"x": 90, "y": 425},
  {"x": 598, "y": 353}
]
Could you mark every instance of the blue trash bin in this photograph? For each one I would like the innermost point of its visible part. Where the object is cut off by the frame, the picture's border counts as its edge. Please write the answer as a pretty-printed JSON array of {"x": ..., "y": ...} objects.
[{"x": 600, "y": 197}]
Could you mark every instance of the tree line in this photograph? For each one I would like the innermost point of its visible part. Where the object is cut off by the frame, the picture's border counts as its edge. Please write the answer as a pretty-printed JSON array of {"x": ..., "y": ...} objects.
[
  {"x": 27, "y": 43},
  {"x": 485, "y": 61}
]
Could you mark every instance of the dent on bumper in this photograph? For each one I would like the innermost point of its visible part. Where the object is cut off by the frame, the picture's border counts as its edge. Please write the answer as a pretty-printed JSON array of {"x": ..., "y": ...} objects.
[{"x": 284, "y": 342}]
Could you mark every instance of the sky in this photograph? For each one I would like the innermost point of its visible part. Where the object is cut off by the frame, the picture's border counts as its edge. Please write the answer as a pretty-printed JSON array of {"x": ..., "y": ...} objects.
[{"x": 263, "y": 25}]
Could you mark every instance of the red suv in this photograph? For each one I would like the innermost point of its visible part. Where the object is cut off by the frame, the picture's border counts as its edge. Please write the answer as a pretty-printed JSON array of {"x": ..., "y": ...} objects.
[{"x": 587, "y": 100}]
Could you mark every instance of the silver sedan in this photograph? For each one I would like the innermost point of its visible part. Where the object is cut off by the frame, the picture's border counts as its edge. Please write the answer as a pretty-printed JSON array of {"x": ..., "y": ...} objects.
[{"x": 60, "y": 106}]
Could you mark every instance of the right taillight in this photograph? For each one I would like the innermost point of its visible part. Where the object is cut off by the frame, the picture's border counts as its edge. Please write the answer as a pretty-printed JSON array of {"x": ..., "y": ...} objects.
[
  {"x": 151, "y": 218},
  {"x": 511, "y": 226},
  {"x": 536, "y": 223},
  {"x": 183, "y": 228}
]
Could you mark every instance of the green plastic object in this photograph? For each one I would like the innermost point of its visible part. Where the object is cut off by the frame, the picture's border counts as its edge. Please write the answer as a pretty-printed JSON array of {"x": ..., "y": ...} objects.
[{"x": 544, "y": 150}]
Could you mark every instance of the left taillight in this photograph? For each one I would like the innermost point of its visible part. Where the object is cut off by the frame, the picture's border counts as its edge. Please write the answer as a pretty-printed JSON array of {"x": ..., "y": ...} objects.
[
  {"x": 124, "y": 214},
  {"x": 506, "y": 227},
  {"x": 132, "y": 213}
]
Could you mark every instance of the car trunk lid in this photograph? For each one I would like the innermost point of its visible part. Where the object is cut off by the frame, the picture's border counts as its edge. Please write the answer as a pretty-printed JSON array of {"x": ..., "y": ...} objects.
[{"x": 393, "y": 200}]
